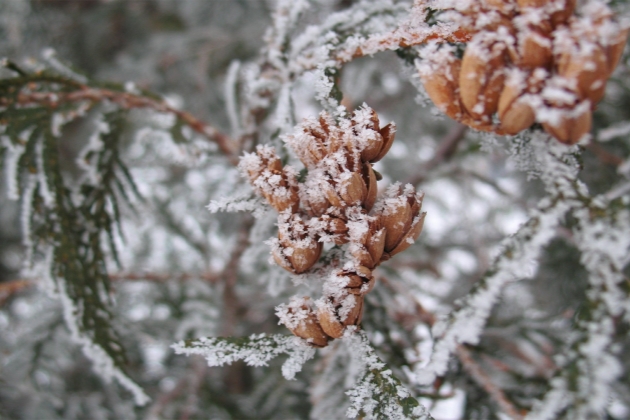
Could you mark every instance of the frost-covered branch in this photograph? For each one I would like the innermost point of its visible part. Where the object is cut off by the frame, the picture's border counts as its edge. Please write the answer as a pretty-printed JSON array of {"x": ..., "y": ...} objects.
[
  {"x": 73, "y": 92},
  {"x": 256, "y": 350},
  {"x": 378, "y": 393}
]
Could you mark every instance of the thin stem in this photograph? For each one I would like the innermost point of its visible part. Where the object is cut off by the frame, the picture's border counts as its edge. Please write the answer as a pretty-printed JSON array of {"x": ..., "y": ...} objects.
[
  {"x": 446, "y": 150},
  {"x": 483, "y": 380},
  {"x": 128, "y": 101}
]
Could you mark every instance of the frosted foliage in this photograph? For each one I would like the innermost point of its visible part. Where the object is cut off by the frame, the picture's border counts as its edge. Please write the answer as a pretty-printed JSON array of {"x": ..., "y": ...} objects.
[
  {"x": 378, "y": 394},
  {"x": 256, "y": 350},
  {"x": 465, "y": 325},
  {"x": 236, "y": 167},
  {"x": 102, "y": 363}
]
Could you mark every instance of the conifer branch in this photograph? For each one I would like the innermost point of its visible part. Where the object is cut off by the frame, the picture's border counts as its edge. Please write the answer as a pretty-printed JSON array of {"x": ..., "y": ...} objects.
[{"x": 126, "y": 100}]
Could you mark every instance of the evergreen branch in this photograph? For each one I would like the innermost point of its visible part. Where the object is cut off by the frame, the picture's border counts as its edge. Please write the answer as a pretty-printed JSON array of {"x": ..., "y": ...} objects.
[
  {"x": 557, "y": 168},
  {"x": 590, "y": 367},
  {"x": 125, "y": 100},
  {"x": 476, "y": 372},
  {"x": 378, "y": 394},
  {"x": 465, "y": 324},
  {"x": 255, "y": 350}
]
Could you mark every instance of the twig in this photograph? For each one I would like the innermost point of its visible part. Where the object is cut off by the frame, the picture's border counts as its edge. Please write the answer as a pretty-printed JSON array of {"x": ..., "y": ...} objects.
[
  {"x": 230, "y": 277},
  {"x": 10, "y": 288},
  {"x": 603, "y": 155},
  {"x": 128, "y": 101},
  {"x": 470, "y": 365},
  {"x": 195, "y": 381},
  {"x": 445, "y": 151},
  {"x": 478, "y": 375}
]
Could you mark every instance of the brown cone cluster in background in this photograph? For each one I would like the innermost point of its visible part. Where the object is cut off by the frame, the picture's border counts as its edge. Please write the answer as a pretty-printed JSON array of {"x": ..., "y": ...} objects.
[
  {"x": 335, "y": 203},
  {"x": 527, "y": 61}
]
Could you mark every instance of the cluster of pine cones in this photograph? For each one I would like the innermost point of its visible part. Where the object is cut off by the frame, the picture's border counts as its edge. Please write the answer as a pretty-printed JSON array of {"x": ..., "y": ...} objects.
[
  {"x": 526, "y": 61},
  {"x": 335, "y": 202}
]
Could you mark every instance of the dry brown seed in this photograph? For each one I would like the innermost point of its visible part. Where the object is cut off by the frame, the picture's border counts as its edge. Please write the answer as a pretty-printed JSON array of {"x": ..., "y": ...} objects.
[
  {"x": 369, "y": 178},
  {"x": 570, "y": 130},
  {"x": 442, "y": 86},
  {"x": 615, "y": 50},
  {"x": 353, "y": 190},
  {"x": 387, "y": 133},
  {"x": 481, "y": 80},
  {"x": 563, "y": 12},
  {"x": 363, "y": 257},
  {"x": 316, "y": 208},
  {"x": 296, "y": 252},
  {"x": 523, "y": 4},
  {"x": 373, "y": 148},
  {"x": 338, "y": 228},
  {"x": 396, "y": 222},
  {"x": 534, "y": 49},
  {"x": 303, "y": 259},
  {"x": 281, "y": 260},
  {"x": 589, "y": 71},
  {"x": 376, "y": 244},
  {"x": 310, "y": 330},
  {"x": 515, "y": 114},
  {"x": 410, "y": 237},
  {"x": 329, "y": 322},
  {"x": 332, "y": 197},
  {"x": 505, "y": 7},
  {"x": 354, "y": 316},
  {"x": 354, "y": 281},
  {"x": 281, "y": 203}
]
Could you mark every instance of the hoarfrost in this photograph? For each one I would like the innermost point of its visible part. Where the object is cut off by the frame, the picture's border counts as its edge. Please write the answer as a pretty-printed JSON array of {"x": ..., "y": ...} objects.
[
  {"x": 102, "y": 363},
  {"x": 256, "y": 350},
  {"x": 378, "y": 394}
]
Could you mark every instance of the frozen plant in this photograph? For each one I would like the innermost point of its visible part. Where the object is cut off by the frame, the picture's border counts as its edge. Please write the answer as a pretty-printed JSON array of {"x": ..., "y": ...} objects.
[{"x": 280, "y": 180}]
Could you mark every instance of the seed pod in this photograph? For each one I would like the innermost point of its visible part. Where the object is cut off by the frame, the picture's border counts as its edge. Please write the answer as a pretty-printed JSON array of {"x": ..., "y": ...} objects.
[
  {"x": 368, "y": 253},
  {"x": 570, "y": 129},
  {"x": 534, "y": 47},
  {"x": 276, "y": 184},
  {"x": 524, "y": 4},
  {"x": 515, "y": 113},
  {"x": 366, "y": 127},
  {"x": 614, "y": 51},
  {"x": 387, "y": 133},
  {"x": 335, "y": 315},
  {"x": 295, "y": 249},
  {"x": 299, "y": 317},
  {"x": 563, "y": 11},
  {"x": 442, "y": 86},
  {"x": 376, "y": 245},
  {"x": 399, "y": 214},
  {"x": 369, "y": 178},
  {"x": 588, "y": 68},
  {"x": 396, "y": 220},
  {"x": 353, "y": 190},
  {"x": 334, "y": 227},
  {"x": 410, "y": 236},
  {"x": 505, "y": 7},
  {"x": 281, "y": 202},
  {"x": 360, "y": 281},
  {"x": 481, "y": 79},
  {"x": 353, "y": 317}
]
